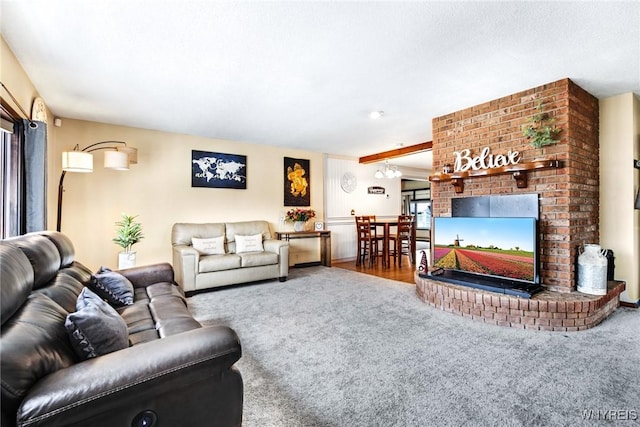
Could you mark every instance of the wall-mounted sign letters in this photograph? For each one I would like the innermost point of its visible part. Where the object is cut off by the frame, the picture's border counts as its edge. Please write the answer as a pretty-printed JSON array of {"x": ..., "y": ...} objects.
[
  {"x": 485, "y": 160},
  {"x": 375, "y": 190}
]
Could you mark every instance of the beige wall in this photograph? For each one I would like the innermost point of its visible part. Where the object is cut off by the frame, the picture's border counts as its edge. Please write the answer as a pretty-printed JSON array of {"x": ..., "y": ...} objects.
[
  {"x": 619, "y": 221},
  {"x": 158, "y": 189},
  {"x": 14, "y": 78}
]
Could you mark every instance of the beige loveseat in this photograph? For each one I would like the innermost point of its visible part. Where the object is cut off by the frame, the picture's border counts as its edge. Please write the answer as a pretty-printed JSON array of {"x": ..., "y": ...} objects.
[{"x": 196, "y": 270}]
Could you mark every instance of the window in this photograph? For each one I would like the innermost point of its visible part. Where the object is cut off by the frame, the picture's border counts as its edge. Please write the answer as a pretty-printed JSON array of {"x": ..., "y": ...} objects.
[
  {"x": 418, "y": 202},
  {"x": 11, "y": 170},
  {"x": 422, "y": 211}
]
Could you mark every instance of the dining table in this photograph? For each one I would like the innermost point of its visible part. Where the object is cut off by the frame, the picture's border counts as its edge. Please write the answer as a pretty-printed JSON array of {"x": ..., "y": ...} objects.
[{"x": 386, "y": 225}]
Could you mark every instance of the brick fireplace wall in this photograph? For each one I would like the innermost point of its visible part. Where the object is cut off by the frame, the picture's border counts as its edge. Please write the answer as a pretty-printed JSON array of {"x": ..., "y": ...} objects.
[{"x": 569, "y": 196}]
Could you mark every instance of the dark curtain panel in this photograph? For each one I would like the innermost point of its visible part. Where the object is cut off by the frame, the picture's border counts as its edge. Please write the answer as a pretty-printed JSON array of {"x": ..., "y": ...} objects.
[{"x": 35, "y": 175}]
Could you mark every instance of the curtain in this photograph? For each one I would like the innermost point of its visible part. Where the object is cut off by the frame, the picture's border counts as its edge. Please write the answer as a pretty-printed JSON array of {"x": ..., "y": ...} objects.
[{"x": 35, "y": 175}]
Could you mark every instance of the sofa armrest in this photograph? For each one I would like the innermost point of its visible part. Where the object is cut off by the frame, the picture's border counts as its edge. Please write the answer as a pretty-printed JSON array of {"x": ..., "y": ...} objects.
[
  {"x": 274, "y": 245},
  {"x": 160, "y": 376},
  {"x": 146, "y": 275},
  {"x": 185, "y": 263},
  {"x": 281, "y": 247}
]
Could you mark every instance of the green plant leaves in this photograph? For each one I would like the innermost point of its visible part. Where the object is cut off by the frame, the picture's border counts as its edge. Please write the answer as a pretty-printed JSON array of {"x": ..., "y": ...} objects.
[
  {"x": 539, "y": 129},
  {"x": 128, "y": 233}
]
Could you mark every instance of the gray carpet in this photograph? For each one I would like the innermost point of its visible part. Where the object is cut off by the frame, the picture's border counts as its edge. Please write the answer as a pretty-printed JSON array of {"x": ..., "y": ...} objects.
[{"x": 331, "y": 347}]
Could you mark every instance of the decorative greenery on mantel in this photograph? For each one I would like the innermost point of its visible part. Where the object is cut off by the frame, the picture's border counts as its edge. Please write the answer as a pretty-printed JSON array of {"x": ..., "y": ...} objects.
[{"x": 539, "y": 129}]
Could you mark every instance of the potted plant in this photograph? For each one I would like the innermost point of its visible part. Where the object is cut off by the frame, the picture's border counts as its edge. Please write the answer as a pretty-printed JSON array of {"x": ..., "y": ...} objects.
[
  {"x": 299, "y": 217},
  {"x": 128, "y": 233},
  {"x": 539, "y": 130}
]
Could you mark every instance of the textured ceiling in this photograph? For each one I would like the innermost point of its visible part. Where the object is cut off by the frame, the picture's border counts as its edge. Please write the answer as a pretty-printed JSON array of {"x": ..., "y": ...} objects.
[{"x": 306, "y": 74}]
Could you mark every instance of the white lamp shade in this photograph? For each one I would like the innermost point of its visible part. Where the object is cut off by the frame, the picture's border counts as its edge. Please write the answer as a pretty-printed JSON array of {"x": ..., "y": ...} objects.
[
  {"x": 77, "y": 161},
  {"x": 132, "y": 153},
  {"x": 116, "y": 160},
  {"x": 378, "y": 174}
]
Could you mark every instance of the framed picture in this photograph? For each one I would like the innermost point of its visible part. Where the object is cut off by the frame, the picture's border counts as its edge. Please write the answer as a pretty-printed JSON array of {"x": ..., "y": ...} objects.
[
  {"x": 218, "y": 170},
  {"x": 297, "y": 182}
]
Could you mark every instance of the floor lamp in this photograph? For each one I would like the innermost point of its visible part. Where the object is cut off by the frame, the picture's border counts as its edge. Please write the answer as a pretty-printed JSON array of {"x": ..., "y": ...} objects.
[{"x": 117, "y": 156}]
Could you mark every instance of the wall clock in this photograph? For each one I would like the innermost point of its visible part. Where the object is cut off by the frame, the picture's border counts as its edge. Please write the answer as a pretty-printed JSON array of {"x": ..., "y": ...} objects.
[{"x": 348, "y": 182}]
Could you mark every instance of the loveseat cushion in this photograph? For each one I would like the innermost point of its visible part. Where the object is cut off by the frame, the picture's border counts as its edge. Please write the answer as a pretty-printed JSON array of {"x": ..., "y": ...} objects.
[
  {"x": 138, "y": 320},
  {"x": 159, "y": 310},
  {"x": 34, "y": 344},
  {"x": 182, "y": 233},
  {"x": 17, "y": 275},
  {"x": 79, "y": 272},
  {"x": 95, "y": 328},
  {"x": 63, "y": 244},
  {"x": 43, "y": 256},
  {"x": 247, "y": 228},
  {"x": 210, "y": 263},
  {"x": 255, "y": 259},
  {"x": 64, "y": 290}
]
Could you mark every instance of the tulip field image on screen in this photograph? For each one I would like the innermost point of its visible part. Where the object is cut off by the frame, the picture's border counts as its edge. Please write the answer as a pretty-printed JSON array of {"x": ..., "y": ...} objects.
[{"x": 502, "y": 247}]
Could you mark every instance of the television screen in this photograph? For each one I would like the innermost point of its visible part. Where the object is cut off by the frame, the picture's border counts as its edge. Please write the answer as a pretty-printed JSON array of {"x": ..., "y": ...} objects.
[{"x": 495, "y": 247}]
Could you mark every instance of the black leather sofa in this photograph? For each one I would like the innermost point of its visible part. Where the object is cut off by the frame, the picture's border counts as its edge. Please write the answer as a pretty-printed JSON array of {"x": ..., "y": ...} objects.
[{"x": 173, "y": 373}]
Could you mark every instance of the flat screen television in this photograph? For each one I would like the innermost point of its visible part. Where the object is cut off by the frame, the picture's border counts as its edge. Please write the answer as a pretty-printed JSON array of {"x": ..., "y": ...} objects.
[{"x": 494, "y": 248}]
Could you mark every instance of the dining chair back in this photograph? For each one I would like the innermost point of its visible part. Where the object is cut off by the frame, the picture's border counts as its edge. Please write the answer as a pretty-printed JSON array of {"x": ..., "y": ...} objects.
[
  {"x": 402, "y": 239},
  {"x": 369, "y": 243}
]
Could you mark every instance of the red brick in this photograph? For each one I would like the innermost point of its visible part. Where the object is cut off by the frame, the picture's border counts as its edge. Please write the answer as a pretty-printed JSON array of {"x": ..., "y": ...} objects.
[
  {"x": 486, "y": 299},
  {"x": 543, "y": 306},
  {"x": 542, "y": 322}
]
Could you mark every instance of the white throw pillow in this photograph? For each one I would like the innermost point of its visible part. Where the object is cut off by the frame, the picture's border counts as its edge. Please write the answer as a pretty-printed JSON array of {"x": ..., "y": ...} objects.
[
  {"x": 249, "y": 243},
  {"x": 209, "y": 246}
]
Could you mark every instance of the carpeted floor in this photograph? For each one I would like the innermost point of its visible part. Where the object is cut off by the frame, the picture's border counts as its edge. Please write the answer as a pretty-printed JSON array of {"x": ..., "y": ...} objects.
[{"x": 331, "y": 347}]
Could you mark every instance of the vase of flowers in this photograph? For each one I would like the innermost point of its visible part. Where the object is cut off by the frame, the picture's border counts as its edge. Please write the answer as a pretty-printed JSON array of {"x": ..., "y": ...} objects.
[{"x": 299, "y": 217}]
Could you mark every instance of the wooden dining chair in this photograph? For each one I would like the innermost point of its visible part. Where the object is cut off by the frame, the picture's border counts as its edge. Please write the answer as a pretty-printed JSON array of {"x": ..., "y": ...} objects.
[
  {"x": 401, "y": 241},
  {"x": 369, "y": 243}
]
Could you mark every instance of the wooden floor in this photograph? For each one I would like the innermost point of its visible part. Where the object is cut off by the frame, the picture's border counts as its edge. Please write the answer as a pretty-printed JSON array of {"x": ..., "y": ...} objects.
[{"x": 394, "y": 272}]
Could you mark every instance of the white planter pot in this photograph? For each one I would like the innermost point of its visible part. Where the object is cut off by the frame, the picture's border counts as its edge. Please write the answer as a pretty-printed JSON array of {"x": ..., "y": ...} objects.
[
  {"x": 299, "y": 225},
  {"x": 126, "y": 260}
]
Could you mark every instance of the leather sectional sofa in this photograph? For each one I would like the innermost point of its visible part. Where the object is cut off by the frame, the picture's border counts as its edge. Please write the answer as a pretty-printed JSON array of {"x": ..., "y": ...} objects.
[
  {"x": 196, "y": 270},
  {"x": 171, "y": 372}
]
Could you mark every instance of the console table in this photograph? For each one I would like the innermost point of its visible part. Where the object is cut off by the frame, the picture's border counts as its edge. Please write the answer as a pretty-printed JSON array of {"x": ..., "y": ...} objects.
[{"x": 325, "y": 242}]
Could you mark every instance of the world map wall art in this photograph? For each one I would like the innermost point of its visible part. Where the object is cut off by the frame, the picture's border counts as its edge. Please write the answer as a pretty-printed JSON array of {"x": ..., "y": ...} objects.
[{"x": 218, "y": 170}]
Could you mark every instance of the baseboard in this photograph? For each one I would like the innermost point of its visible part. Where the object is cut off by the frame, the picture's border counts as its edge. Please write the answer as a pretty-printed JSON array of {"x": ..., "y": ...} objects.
[{"x": 630, "y": 304}]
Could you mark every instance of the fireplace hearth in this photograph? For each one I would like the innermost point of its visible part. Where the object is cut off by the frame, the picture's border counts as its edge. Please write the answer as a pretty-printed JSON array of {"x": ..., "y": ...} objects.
[
  {"x": 544, "y": 311},
  {"x": 501, "y": 286}
]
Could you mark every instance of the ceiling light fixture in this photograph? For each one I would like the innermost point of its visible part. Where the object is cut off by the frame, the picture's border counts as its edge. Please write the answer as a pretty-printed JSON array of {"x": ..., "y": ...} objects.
[
  {"x": 390, "y": 171},
  {"x": 375, "y": 115}
]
